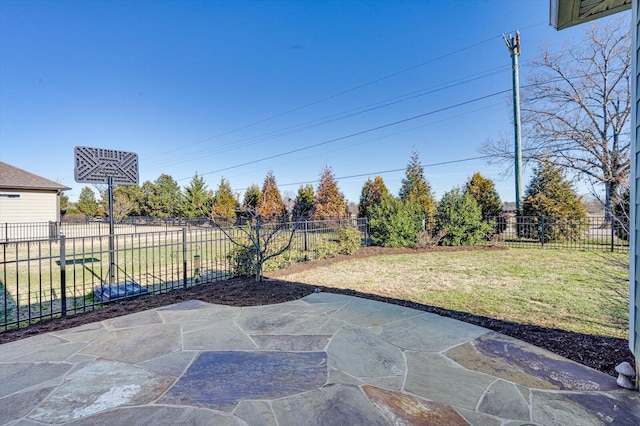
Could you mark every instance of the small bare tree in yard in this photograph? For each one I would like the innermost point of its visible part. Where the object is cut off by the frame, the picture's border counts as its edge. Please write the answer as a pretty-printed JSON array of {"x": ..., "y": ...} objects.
[
  {"x": 267, "y": 233},
  {"x": 258, "y": 241},
  {"x": 576, "y": 108}
]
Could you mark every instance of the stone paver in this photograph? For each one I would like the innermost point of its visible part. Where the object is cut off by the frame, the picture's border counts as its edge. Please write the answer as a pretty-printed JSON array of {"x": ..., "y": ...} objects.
[
  {"x": 170, "y": 365},
  {"x": 19, "y": 376},
  {"x": 329, "y": 405},
  {"x": 138, "y": 343},
  {"x": 219, "y": 380},
  {"x": 400, "y": 408},
  {"x": 21, "y": 348},
  {"x": 528, "y": 365},
  {"x": 98, "y": 387},
  {"x": 502, "y": 399},
  {"x": 220, "y": 336},
  {"x": 18, "y": 405},
  {"x": 156, "y": 415},
  {"x": 256, "y": 413},
  {"x": 323, "y": 360},
  {"x": 430, "y": 333},
  {"x": 361, "y": 353},
  {"x": 435, "y": 377},
  {"x": 83, "y": 333}
]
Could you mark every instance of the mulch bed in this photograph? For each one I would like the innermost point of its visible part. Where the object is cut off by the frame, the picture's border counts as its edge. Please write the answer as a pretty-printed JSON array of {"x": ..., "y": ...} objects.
[{"x": 598, "y": 352}]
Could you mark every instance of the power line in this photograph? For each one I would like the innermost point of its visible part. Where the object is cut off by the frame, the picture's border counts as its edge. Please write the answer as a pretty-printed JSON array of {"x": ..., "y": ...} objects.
[
  {"x": 386, "y": 136},
  {"x": 338, "y": 94},
  {"x": 383, "y": 172},
  {"x": 424, "y": 166},
  {"x": 280, "y": 133},
  {"x": 334, "y": 117},
  {"x": 362, "y": 132}
]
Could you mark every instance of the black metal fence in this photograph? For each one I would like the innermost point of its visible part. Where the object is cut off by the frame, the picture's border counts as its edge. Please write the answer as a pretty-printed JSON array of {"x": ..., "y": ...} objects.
[
  {"x": 91, "y": 227},
  {"x": 591, "y": 233},
  {"x": 63, "y": 274},
  {"x": 60, "y": 276}
]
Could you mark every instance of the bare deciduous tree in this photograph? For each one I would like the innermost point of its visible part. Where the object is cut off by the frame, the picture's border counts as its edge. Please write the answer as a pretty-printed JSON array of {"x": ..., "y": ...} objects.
[
  {"x": 576, "y": 108},
  {"x": 122, "y": 206},
  {"x": 260, "y": 239}
]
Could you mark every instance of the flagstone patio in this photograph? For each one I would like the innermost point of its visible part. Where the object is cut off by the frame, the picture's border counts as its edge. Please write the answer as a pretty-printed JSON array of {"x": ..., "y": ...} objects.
[{"x": 323, "y": 360}]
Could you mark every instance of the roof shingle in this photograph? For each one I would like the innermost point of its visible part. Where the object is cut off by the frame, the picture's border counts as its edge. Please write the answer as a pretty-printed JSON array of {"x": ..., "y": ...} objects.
[{"x": 14, "y": 178}]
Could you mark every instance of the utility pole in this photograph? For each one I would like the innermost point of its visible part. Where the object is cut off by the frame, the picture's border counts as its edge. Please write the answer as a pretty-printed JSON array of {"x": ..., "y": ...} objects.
[{"x": 513, "y": 44}]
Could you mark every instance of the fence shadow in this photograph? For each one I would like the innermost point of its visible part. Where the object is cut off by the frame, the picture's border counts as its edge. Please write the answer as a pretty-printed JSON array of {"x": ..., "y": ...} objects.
[
  {"x": 7, "y": 306},
  {"x": 79, "y": 261}
]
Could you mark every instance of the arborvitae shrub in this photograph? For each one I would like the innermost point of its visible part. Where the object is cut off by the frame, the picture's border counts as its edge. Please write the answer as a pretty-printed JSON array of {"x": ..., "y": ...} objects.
[
  {"x": 551, "y": 196},
  {"x": 459, "y": 218},
  {"x": 394, "y": 223}
]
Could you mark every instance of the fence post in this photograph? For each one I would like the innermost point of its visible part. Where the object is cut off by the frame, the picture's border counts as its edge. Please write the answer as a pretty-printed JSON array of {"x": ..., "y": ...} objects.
[
  {"x": 542, "y": 230},
  {"x": 305, "y": 235},
  {"x": 613, "y": 224},
  {"x": 63, "y": 277},
  {"x": 366, "y": 231},
  {"x": 184, "y": 257}
]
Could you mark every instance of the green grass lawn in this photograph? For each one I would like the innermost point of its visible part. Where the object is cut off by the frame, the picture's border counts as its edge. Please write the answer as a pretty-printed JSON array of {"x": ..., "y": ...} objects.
[{"x": 579, "y": 291}]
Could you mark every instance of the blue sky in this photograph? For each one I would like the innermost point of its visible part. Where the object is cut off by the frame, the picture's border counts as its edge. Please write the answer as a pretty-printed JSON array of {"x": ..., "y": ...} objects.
[{"x": 218, "y": 87}]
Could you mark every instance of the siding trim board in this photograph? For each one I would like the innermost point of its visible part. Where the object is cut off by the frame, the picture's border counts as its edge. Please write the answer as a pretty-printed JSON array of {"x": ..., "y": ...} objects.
[{"x": 634, "y": 279}]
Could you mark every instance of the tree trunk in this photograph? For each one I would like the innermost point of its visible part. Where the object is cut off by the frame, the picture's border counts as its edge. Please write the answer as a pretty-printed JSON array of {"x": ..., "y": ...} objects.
[
  {"x": 259, "y": 271},
  {"x": 609, "y": 189}
]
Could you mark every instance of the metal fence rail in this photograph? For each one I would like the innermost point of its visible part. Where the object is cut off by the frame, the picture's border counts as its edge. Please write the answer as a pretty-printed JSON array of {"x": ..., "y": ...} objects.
[
  {"x": 130, "y": 225},
  {"x": 591, "y": 233},
  {"x": 54, "y": 277},
  {"x": 57, "y": 276}
]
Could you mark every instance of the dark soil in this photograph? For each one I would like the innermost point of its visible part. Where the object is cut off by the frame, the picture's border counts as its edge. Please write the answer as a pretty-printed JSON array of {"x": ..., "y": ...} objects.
[{"x": 598, "y": 352}]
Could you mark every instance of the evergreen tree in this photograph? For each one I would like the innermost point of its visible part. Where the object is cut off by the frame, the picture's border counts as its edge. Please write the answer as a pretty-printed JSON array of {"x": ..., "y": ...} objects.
[
  {"x": 251, "y": 198},
  {"x": 483, "y": 190},
  {"x": 163, "y": 197},
  {"x": 416, "y": 188},
  {"x": 459, "y": 218},
  {"x": 372, "y": 192},
  {"x": 87, "y": 203},
  {"x": 394, "y": 223},
  {"x": 224, "y": 202},
  {"x": 64, "y": 202},
  {"x": 133, "y": 194},
  {"x": 270, "y": 205},
  {"x": 303, "y": 202},
  {"x": 329, "y": 203},
  {"x": 196, "y": 202},
  {"x": 147, "y": 190},
  {"x": 621, "y": 213},
  {"x": 550, "y": 195}
]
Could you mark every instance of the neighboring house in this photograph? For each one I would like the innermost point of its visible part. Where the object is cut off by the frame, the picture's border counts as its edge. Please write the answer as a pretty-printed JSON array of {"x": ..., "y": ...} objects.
[
  {"x": 27, "y": 198},
  {"x": 563, "y": 14}
]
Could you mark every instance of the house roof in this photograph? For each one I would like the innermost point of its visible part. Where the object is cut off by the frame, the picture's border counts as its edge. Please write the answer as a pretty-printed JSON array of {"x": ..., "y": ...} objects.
[
  {"x": 14, "y": 178},
  {"x": 566, "y": 13}
]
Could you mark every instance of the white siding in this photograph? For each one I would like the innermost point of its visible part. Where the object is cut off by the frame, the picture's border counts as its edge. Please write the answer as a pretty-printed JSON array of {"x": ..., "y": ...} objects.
[
  {"x": 30, "y": 206},
  {"x": 634, "y": 266}
]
